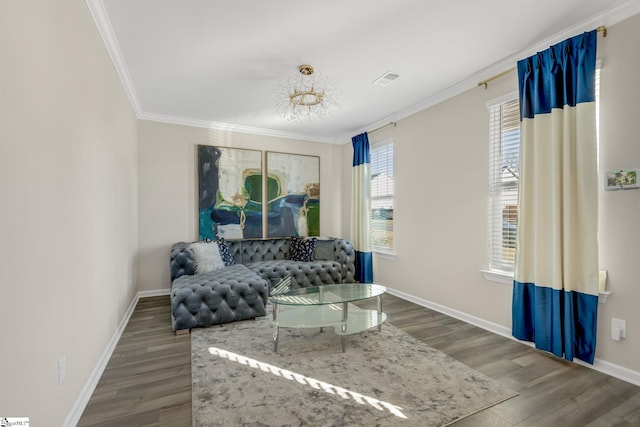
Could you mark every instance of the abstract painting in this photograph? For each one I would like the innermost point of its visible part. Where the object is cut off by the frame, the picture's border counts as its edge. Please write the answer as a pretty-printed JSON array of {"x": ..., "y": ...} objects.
[
  {"x": 230, "y": 193},
  {"x": 293, "y": 195}
]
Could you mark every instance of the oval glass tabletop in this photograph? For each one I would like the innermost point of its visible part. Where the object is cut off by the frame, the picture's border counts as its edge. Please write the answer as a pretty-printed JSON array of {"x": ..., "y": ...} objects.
[{"x": 329, "y": 294}]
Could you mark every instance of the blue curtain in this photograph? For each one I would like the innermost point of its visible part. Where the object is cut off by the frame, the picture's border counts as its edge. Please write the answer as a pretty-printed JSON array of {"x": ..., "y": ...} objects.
[
  {"x": 555, "y": 294},
  {"x": 361, "y": 208}
]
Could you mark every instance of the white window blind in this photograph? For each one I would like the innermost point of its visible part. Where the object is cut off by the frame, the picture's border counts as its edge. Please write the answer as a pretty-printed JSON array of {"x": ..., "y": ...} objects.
[
  {"x": 382, "y": 196},
  {"x": 504, "y": 172}
]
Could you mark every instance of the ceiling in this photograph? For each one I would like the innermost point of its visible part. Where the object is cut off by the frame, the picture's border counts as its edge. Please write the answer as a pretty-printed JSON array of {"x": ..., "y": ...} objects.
[{"x": 218, "y": 63}]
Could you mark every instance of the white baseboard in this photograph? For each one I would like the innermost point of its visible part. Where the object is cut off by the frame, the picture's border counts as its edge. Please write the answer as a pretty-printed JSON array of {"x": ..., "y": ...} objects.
[
  {"x": 81, "y": 402},
  {"x": 617, "y": 371},
  {"x": 154, "y": 293},
  {"x": 600, "y": 365}
]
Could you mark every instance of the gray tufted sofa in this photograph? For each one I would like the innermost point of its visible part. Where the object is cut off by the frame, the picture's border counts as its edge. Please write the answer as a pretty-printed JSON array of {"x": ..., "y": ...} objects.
[{"x": 240, "y": 291}]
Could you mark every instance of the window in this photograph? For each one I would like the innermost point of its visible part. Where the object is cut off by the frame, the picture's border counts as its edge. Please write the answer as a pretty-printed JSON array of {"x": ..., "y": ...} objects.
[
  {"x": 382, "y": 196},
  {"x": 504, "y": 172}
]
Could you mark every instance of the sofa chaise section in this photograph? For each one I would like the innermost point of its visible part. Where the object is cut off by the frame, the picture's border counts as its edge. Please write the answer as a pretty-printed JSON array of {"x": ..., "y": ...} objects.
[{"x": 220, "y": 296}]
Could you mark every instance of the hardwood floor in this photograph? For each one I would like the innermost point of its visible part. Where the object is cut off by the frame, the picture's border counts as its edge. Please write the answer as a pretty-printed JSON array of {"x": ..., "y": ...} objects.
[
  {"x": 147, "y": 382},
  {"x": 148, "y": 379}
]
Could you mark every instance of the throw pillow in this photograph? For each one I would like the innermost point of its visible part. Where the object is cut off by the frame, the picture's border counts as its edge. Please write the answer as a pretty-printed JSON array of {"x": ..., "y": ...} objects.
[
  {"x": 301, "y": 249},
  {"x": 324, "y": 250},
  {"x": 207, "y": 256},
  {"x": 225, "y": 251}
]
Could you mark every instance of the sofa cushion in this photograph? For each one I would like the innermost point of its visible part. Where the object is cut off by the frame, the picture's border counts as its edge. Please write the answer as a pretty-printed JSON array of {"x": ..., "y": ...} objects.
[
  {"x": 314, "y": 273},
  {"x": 301, "y": 249},
  {"x": 207, "y": 256},
  {"x": 324, "y": 249},
  {"x": 262, "y": 250}
]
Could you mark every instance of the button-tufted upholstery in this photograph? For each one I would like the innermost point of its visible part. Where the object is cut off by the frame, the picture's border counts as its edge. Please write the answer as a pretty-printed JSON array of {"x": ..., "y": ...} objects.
[
  {"x": 264, "y": 250},
  {"x": 220, "y": 296},
  {"x": 314, "y": 273},
  {"x": 182, "y": 261},
  {"x": 240, "y": 291}
]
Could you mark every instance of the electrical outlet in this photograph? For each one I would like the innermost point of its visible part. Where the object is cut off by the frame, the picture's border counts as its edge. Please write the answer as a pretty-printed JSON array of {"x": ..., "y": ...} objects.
[
  {"x": 618, "y": 329},
  {"x": 62, "y": 370}
]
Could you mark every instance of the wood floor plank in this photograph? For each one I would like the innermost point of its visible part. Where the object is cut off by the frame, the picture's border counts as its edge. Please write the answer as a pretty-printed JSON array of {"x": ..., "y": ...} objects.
[{"x": 147, "y": 382}]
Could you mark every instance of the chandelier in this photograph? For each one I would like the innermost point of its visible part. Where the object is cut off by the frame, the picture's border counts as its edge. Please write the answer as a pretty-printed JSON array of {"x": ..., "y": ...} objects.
[{"x": 305, "y": 96}]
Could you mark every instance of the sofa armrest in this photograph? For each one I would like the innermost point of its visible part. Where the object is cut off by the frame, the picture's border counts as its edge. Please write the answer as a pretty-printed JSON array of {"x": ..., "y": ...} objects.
[
  {"x": 181, "y": 260},
  {"x": 346, "y": 255}
]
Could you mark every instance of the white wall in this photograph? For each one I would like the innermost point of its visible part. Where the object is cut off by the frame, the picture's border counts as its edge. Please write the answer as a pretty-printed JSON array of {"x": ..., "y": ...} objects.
[
  {"x": 68, "y": 205},
  {"x": 169, "y": 186},
  {"x": 619, "y": 232},
  {"x": 440, "y": 214},
  {"x": 441, "y": 201}
]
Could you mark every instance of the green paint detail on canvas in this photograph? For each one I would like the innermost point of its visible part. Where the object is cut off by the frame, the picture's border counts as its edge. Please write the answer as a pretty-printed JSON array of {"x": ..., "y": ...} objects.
[
  {"x": 313, "y": 217},
  {"x": 253, "y": 187},
  {"x": 273, "y": 188}
]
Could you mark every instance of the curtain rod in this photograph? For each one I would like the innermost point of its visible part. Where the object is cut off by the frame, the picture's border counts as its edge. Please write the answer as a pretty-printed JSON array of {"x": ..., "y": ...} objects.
[
  {"x": 394, "y": 124},
  {"x": 601, "y": 29}
]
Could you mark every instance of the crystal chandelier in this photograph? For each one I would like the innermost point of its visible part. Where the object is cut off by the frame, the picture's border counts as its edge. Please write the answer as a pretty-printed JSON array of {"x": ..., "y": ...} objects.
[{"x": 306, "y": 96}]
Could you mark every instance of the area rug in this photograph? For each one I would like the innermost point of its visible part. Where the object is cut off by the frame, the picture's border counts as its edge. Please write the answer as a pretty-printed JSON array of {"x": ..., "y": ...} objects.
[{"x": 385, "y": 378}]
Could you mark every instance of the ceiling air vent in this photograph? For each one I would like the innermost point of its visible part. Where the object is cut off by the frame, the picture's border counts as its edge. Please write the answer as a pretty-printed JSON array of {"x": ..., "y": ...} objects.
[{"x": 386, "y": 79}]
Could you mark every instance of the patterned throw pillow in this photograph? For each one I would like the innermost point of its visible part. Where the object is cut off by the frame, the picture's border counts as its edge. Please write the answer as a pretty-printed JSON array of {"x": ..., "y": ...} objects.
[
  {"x": 225, "y": 252},
  {"x": 301, "y": 249}
]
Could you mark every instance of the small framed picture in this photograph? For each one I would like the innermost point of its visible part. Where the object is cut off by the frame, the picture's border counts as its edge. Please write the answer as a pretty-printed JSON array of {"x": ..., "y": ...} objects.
[{"x": 623, "y": 179}]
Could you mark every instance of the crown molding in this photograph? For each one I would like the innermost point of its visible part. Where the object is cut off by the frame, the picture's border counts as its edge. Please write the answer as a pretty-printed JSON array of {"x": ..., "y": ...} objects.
[
  {"x": 607, "y": 18},
  {"x": 175, "y": 120},
  {"x": 275, "y": 133},
  {"x": 229, "y": 127},
  {"x": 101, "y": 19}
]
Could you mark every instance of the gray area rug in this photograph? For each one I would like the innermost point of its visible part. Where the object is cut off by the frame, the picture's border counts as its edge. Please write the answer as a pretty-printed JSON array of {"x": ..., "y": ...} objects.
[{"x": 385, "y": 378}]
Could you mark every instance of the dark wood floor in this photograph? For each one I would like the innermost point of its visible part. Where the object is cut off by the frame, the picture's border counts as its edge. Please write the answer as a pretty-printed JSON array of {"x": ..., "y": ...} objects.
[
  {"x": 147, "y": 382},
  {"x": 148, "y": 379}
]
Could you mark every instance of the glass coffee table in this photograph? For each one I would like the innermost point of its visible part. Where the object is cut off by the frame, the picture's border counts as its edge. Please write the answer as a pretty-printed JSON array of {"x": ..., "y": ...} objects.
[{"x": 328, "y": 305}]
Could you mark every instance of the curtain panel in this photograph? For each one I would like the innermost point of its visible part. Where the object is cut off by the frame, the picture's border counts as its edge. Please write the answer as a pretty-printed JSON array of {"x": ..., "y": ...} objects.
[
  {"x": 361, "y": 208},
  {"x": 555, "y": 295}
]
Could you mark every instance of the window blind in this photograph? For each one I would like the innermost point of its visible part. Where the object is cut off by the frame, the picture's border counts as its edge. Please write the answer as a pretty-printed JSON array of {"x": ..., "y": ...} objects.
[
  {"x": 504, "y": 172},
  {"x": 382, "y": 195}
]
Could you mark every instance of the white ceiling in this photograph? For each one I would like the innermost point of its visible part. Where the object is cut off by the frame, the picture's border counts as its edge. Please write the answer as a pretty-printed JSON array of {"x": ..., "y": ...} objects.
[{"x": 217, "y": 63}]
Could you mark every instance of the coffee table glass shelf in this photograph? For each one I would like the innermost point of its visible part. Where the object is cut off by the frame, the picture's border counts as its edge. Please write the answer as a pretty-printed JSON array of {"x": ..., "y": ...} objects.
[{"x": 326, "y": 306}]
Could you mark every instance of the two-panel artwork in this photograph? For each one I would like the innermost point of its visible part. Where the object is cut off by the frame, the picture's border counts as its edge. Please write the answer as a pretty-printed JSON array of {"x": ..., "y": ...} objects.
[{"x": 232, "y": 183}]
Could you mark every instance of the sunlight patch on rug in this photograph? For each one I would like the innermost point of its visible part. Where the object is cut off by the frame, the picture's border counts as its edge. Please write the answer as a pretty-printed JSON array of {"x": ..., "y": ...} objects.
[{"x": 311, "y": 382}]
